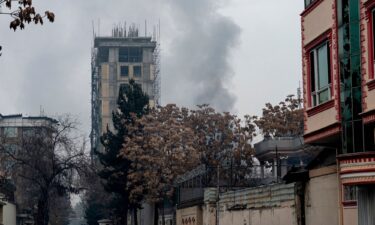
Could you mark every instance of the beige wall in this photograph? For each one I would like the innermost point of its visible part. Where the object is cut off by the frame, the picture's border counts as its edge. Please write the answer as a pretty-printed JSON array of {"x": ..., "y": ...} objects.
[
  {"x": 318, "y": 21},
  {"x": 350, "y": 216},
  {"x": 209, "y": 214},
  {"x": 9, "y": 214},
  {"x": 285, "y": 214},
  {"x": 191, "y": 213},
  {"x": 321, "y": 200},
  {"x": 370, "y": 100},
  {"x": 320, "y": 120}
]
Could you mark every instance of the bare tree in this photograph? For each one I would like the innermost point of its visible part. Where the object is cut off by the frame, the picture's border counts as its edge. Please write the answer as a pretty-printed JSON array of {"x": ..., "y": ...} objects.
[{"x": 48, "y": 161}]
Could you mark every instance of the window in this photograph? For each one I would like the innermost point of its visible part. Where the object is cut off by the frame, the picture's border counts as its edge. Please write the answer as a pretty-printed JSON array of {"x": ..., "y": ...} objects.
[
  {"x": 103, "y": 54},
  {"x": 10, "y": 132},
  {"x": 349, "y": 195},
  {"x": 373, "y": 42},
  {"x": 320, "y": 74},
  {"x": 309, "y": 2},
  {"x": 124, "y": 71},
  {"x": 137, "y": 71},
  {"x": 130, "y": 54}
]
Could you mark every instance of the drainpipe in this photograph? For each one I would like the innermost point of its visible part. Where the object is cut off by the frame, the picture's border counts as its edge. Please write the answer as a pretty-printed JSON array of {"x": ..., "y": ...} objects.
[
  {"x": 341, "y": 212},
  {"x": 217, "y": 196}
]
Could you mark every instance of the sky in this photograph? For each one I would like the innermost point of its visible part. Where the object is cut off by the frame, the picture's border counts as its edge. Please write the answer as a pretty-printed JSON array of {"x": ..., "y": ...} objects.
[{"x": 233, "y": 54}]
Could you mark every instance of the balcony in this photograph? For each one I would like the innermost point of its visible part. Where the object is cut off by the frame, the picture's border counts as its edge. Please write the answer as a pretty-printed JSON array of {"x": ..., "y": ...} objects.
[{"x": 357, "y": 168}]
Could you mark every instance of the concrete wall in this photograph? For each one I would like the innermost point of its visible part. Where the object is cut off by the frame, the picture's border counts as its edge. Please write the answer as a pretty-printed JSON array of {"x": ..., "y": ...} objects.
[
  {"x": 268, "y": 205},
  {"x": 350, "y": 215},
  {"x": 190, "y": 216},
  {"x": 320, "y": 120},
  {"x": 9, "y": 214},
  {"x": 321, "y": 197},
  {"x": 318, "y": 21}
]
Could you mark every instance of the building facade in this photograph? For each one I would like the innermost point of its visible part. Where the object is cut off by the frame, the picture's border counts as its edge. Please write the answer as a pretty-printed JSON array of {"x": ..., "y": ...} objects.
[
  {"x": 339, "y": 97},
  {"x": 14, "y": 207},
  {"x": 115, "y": 61}
]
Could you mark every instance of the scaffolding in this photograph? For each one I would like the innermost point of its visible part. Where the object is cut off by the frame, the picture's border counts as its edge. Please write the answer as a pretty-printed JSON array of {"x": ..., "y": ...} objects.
[{"x": 121, "y": 36}]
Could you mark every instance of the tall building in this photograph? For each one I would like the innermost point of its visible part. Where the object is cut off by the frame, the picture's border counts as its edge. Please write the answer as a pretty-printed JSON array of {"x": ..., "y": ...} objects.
[
  {"x": 13, "y": 131},
  {"x": 339, "y": 99},
  {"x": 115, "y": 61}
]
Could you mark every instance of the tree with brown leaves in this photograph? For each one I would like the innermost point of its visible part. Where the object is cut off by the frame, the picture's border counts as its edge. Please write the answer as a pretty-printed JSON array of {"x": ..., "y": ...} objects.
[
  {"x": 23, "y": 12},
  {"x": 171, "y": 141},
  {"x": 282, "y": 120},
  {"x": 160, "y": 148}
]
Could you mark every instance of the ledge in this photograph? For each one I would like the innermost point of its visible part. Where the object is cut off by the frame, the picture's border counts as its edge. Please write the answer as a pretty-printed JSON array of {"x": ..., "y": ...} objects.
[
  {"x": 327, "y": 131},
  {"x": 311, "y": 7},
  {"x": 371, "y": 85},
  {"x": 349, "y": 203},
  {"x": 357, "y": 155},
  {"x": 320, "y": 108}
]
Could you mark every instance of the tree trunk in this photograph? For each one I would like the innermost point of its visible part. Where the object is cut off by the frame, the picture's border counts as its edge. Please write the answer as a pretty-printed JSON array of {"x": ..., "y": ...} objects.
[
  {"x": 42, "y": 216},
  {"x": 135, "y": 216},
  {"x": 124, "y": 216},
  {"x": 156, "y": 214},
  {"x": 163, "y": 214}
]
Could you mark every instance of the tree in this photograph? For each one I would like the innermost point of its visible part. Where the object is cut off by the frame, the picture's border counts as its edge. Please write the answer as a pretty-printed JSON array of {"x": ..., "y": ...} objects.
[
  {"x": 115, "y": 170},
  {"x": 160, "y": 148},
  {"x": 24, "y": 14},
  {"x": 282, "y": 120},
  {"x": 170, "y": 141},
  {"x": 49, "y": 160}
]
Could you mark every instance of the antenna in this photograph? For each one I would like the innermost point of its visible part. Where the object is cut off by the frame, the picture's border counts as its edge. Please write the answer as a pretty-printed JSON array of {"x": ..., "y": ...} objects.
[
  {"x": 99, "y": 27},
  {"x": 145, "y": 28}
]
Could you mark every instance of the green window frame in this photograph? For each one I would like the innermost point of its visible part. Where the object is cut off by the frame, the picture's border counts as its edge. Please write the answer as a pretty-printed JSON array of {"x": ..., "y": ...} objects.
[{"x": 320, "y": 74}]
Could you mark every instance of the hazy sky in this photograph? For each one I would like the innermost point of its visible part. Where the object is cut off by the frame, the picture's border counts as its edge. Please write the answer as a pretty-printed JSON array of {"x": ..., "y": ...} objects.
[{"x": 233, "y": 54}]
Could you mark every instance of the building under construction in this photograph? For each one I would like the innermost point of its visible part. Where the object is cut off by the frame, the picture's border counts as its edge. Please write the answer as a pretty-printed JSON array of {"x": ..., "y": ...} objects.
[{"x": 117, "y": 59}]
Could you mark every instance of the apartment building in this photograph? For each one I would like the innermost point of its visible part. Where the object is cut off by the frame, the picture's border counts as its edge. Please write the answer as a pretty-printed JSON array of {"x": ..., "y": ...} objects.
[
  {"x": 339, "y": 99},
  {"x": 116, "y": 60}
]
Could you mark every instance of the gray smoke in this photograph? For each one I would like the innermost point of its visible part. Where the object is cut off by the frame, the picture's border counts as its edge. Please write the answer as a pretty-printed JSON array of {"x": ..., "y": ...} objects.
[
  {"x": 197, "y": 69},
  {"x": 49, "y": 65}
]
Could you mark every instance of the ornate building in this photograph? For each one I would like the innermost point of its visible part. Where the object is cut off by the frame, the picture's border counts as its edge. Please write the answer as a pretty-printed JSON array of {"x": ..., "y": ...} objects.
[{"x": 339, "y": 97}]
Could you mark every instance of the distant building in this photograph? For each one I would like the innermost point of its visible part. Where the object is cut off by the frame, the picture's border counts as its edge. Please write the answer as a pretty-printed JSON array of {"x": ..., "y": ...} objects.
[
  {"x": 338, "y": 43},
  {"x": 115, "y": 60},
  {"x": 13, "y": 128}
]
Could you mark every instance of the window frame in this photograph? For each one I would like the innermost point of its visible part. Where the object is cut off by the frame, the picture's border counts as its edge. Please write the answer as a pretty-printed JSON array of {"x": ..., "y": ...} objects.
[
  {"x": 13, "y": 134},
  {"x": 314, "y": 78},
  {"x": 349, "y": 202},
  {"x": 325, "y": 37},
  {"x": 140, "y": 70},
  {"x": 124, "y": 75}
]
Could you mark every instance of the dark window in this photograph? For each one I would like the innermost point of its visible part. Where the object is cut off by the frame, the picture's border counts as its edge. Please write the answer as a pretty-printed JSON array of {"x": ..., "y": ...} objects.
[
  {"x": 309, "y": 2},
  {"x": 124, "y": 71},
  {"x": 130, "y": 54},
  {"x": 103, "y": 54},
  {"x": 370, "y": 137},
  {"x": 320, "y": 74},
  {"x": 350, "y": 193},
  {"x": 373, "y": 41},
  {"x": 137, "y": 71}
]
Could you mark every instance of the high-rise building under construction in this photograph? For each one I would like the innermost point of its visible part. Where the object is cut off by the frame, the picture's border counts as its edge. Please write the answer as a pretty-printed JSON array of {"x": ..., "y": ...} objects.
[{"x": 116, "y": 60}]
